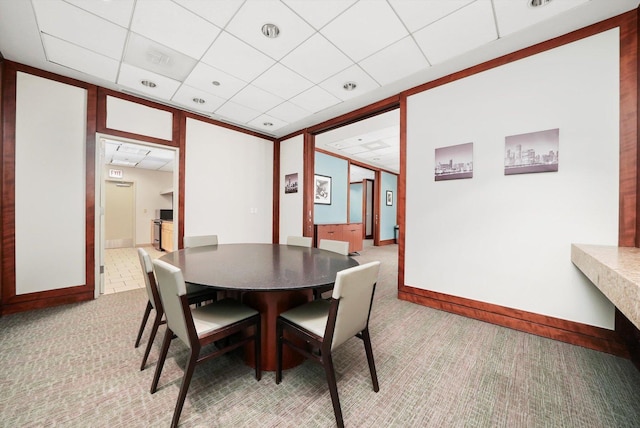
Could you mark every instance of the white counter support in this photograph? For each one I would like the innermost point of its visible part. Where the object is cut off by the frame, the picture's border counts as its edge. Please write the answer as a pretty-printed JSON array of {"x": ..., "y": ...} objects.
[{"x": 615, "y": 271}]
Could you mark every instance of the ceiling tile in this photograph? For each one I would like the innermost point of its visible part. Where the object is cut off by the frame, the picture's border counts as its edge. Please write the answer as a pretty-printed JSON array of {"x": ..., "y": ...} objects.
[
  {"x": 237, "y": 58},
  {"x": 247, "y": 26},
  {"x": 335, "y": 84},
  {"x": 353, "y": 150},
  {"x": 315, "y": 99},
  {"x": 365, "y": 28},
  {"x": 514, "y": 16},
  {"x": 288, "y": 112},
  {"x": 457, "y": 33},
  {"x": 172, "y": 25},
  {"x": 77, "y": 58},
  {"x": 281, "y": 81},
  {"x": 418, "y": 14},
  {"x": 152, "y": 56},
  {"x": 256, "y": 98},
  {"x": 67, "y": 22},
  {"x": 185, "y": 95},
  {"x": 399, "y": 60},
  {"x": 131, "y": 77},
  {"x": 319, "y": 13},
  {"x": 316, "y": 59},
  {"x": 118, "y": 12},
  {"x": 218, "y": 15},
  {"x": 203, "y": 76},
  {"x": 237, "y": 113},
  {"x": 267, "y": 123}
]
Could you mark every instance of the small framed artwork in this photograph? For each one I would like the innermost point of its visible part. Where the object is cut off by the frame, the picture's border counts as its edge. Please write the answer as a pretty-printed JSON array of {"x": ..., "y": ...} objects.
[
  {"x": 322, "y": 195},
  {"x": 532, "y": 152},
  {"x": 291, "y": 183},
  {"x": 389, "y": 197},
  {"x": 454, "y": 162}
]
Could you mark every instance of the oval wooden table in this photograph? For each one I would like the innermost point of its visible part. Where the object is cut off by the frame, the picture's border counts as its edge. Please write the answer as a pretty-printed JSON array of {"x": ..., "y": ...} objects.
[{"x": 271, "y": 278}]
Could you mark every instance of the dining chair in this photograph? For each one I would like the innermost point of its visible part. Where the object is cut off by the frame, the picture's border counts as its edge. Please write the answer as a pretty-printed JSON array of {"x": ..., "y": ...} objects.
[
  {"x": 199, "y": 240},
  {"x": 327, "y": 324},
  {"x": 200, "y": 327},
  {"x": 195, "y": 294},
  {"x": 300, "y": 241},
  {"x": 340, "y": 247}
]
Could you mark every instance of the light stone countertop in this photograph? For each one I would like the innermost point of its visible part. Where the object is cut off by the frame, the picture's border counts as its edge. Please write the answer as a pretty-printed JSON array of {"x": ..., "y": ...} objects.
[{"x": 615, "y": 271}]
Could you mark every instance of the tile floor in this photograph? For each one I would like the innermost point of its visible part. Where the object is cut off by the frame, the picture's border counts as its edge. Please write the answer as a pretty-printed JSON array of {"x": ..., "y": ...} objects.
[{"x": 122, "y": 271}]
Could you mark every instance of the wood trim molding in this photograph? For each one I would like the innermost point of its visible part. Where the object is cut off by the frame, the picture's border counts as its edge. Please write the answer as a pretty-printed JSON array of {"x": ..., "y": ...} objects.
[
  {"x": 275, "y": 228},
  {"x": 591, "y": 337},
  {"x": 11, "y": 302},
  {"x": 308, "y": 185},
  {"x": 182, "y": 174},
  {"x": 355, "y": 162},
  {"x": 402, "y": 189}
]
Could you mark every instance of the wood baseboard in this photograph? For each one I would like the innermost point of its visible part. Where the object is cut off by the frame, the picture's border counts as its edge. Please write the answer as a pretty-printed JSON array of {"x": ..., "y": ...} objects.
[
  {"x": 28, "y": 305},
  {"x": 387, "y": 242},
  {"x": 596, "y": 338}
]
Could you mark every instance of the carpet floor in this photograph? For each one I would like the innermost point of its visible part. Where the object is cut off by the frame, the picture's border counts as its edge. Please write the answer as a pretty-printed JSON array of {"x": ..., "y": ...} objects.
[{"x": 75, "y": 366}]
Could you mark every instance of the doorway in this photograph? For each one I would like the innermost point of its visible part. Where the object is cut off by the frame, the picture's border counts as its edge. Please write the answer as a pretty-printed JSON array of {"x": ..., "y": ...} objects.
[
  {"x": 134, "y": 179},
  {"x": 119, "y": 214}
]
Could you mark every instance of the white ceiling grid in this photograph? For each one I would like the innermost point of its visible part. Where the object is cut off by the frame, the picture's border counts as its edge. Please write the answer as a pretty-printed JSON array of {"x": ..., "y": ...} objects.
[{"x": 210, "y": 56}]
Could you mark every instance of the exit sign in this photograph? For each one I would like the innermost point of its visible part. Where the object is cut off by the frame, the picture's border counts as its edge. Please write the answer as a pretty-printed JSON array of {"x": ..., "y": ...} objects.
[{"x": 115, "y": 173}]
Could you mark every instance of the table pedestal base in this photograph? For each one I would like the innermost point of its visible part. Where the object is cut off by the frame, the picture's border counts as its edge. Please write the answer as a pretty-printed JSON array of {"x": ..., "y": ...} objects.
[{"x": 270, "y": 304}]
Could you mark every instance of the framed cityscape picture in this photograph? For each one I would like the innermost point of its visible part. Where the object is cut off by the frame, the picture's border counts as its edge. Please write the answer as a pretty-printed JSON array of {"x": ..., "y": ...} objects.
[
  {"x": 532, "y": 152},
  {"x": 454, "y": 162}
]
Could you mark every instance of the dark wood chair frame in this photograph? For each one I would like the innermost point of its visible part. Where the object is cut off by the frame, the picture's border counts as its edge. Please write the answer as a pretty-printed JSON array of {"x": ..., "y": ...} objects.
[
  {"x": 195, "y": 298},
  {"x": 196, "y": 345},
  {"x": 323, "y": 344}
]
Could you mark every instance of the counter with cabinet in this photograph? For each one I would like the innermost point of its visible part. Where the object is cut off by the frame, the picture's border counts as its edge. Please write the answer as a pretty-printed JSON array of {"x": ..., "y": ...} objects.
[{"x": 350, "y": 232}]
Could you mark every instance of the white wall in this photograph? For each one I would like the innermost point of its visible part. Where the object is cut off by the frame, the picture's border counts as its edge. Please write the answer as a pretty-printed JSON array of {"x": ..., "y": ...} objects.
[
  {"x": 229, "y": 184},
  {"x": 291, "y": 204},
  {"x": 50, "y": 184},
  {"x": 147, "y": 187},
  {"x": 506, "y": 239},
  {"x": 148, "y": 120}
]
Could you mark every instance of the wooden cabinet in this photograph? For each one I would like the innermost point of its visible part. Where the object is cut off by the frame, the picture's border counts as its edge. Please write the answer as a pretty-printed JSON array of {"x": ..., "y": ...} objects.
[
  {"x": 167, "y": 236},
  {"x": 350, "y": 232}
]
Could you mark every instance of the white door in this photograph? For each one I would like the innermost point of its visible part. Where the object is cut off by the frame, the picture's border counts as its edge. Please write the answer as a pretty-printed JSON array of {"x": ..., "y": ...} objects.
[{"x": 119, "y": 226}]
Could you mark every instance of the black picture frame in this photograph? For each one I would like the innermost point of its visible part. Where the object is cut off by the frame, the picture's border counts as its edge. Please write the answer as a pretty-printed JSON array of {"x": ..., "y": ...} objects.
[
  {"x": 322, "y": 192},
  {"x": 389, "y": 197}
]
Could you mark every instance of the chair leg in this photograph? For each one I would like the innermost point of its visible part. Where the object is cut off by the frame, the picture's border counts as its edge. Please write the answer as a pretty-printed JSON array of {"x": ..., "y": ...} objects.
[
  {"x": 369, "y": 350},
  {"x": 147, "y": 311},
  {"x": 156, "y": 323},
  {"x": 186, "y": 380},
  {"x": 327, "y": 362},
  {"x": 278, "y": 352},
  {"x": 163, "y": 355},
  {"x": 257, "y": 350}
]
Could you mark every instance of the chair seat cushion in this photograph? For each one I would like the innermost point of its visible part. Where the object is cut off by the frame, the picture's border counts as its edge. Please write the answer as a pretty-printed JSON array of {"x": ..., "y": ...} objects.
[
  {"x": 311, "y": 316},
  {"x": 219, "y": 314}
]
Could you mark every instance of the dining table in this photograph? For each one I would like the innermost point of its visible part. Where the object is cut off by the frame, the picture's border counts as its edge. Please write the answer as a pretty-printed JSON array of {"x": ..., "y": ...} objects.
[{"x": 270, "y": 278}]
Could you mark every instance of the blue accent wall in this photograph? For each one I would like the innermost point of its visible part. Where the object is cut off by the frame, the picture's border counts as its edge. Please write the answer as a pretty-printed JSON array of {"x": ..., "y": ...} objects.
[
  {"x": 355, "y": 205},
  {"x": 338, "y": 170},
  {"x": 388, "y": 212}
]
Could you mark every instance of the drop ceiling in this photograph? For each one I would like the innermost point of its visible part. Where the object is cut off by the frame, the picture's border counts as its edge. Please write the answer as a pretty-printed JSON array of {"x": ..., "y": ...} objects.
[{"x": 212, "y": 58}]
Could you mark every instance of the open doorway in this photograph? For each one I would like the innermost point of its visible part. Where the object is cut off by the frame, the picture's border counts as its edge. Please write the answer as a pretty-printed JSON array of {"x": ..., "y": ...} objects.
[
  {"x": 135, "y": 184},
  {"x": 361, "y": 199}
]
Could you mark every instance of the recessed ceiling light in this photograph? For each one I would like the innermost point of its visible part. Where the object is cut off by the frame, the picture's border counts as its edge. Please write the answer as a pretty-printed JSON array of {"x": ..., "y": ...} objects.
[
  {"x": 268, "y": 124},
  {"x": 215, "y": 83},
  {"x": 270, "y": 30},
  {"x": 536, "y": 3},
  {"x": 350, "y": 86},
  {"x": 198, "y": 100},
  {"x": 148, "y": 83}
]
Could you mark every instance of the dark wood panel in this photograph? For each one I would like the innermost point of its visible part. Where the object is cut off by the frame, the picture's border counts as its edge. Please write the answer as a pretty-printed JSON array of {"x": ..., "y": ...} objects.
[
  {"x": 308, "y": 184},
  {"x": 402, "y": 189},
  {"x": 30, "y": 305},
  {"x": 182, "y": 173},
  {"x": 275, "y": 229},
  {"x": 540, "y": 325}
]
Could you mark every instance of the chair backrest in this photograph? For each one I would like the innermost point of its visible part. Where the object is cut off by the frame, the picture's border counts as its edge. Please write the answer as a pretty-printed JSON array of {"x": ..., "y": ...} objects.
[
  {"x": 172, "y": 287},
  {"x": 299, "y": 241},
  {"x": 149, "y": 279},
  {"x": 200, "y": 241},
  {"x": 354, "y": 288},
  {"x": 340, "y": 247}
]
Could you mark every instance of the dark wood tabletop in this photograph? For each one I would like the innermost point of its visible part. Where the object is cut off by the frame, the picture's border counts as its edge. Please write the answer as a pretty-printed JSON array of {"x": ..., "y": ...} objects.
[{"x": 259, "y": 267}]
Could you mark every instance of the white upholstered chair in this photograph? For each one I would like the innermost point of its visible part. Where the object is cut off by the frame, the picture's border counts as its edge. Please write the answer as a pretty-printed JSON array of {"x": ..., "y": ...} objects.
[
  {"x": 200, "y": 327},
  {"x": 199, "y": 241},
  {"x": 300, "y": 241},
  {"x": 327, "y": 324},
  {"x": 195, "y": 294},
  {"x": 340, "y": 247}
]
